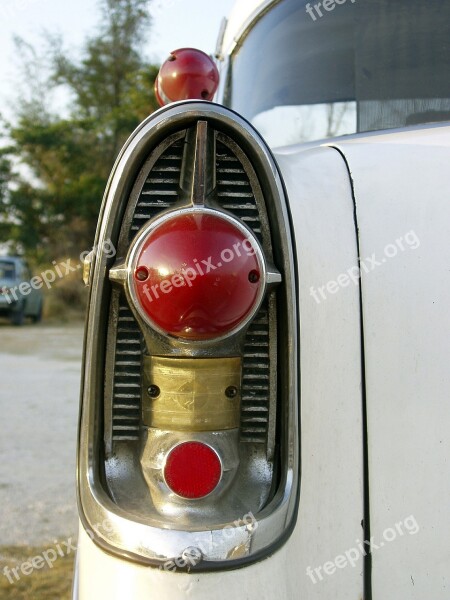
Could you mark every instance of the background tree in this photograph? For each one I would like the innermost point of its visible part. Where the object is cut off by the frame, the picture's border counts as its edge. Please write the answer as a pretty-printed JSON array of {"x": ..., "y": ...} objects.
[
  {"x": 5, "y": 178},
  {"x": 51, "y": 207}
]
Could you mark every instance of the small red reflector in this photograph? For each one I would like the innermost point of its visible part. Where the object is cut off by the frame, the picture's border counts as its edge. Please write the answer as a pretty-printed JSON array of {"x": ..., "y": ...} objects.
[
  {"x": 197, "y": 276},
  {"x": 192, "y": 470}
]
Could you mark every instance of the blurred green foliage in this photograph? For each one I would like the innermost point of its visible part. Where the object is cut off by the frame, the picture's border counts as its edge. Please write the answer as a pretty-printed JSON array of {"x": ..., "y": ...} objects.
[{"x": 54, "y": 171}]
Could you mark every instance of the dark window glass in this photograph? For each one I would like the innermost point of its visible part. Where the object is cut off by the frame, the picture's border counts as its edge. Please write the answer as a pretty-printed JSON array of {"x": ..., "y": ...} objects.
[
  {"x": 362, "y": 65},
  {"x": 6, "y": 270}
]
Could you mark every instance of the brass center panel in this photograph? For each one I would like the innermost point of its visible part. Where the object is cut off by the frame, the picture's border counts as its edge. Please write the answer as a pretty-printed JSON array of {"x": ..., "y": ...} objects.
[{"x": 195, "y": 394}]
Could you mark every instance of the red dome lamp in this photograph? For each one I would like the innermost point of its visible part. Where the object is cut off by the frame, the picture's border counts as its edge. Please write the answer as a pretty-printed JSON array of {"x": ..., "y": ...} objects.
[
  {"x": 188, "y": 74},
  {"x": 197, "y": 275}
]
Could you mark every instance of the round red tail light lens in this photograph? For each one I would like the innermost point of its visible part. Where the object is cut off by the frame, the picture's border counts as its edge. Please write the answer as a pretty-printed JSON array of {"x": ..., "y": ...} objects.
[
  {"x": 197, "y": 275},
  {"x": 192, "y": 470}
]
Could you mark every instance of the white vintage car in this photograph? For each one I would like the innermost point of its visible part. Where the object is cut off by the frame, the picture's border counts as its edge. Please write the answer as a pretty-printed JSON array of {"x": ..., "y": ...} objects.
[{"x": 266, "y": 391}]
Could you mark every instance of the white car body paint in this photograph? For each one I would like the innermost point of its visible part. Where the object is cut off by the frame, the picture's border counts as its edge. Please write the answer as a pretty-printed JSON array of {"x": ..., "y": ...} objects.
[
  {"x": 331, "y": 497},
  {"x": 402, "y": 183}
]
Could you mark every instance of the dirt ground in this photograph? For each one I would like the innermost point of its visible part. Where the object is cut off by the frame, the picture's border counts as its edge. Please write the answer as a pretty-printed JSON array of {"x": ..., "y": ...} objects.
[{"x": 39, "y": 396}]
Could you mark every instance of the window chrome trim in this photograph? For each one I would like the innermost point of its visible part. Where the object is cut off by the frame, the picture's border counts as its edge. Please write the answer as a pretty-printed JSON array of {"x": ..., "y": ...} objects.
[
  {"x": 136, "y": 539},
  {"x": 247, "y": 26}
]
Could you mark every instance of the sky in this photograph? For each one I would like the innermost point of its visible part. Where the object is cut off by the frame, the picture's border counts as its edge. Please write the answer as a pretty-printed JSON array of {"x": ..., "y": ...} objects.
[{"x": 176, "y": 24}]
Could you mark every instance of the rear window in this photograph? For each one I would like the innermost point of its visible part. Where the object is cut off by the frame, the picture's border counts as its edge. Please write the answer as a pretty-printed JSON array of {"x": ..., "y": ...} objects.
[
  {"x": 305, "y": 73},
  {"x": 7, "y": 270}
]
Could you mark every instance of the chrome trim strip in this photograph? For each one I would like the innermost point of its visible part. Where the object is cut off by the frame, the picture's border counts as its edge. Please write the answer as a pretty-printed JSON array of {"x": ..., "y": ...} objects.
[{"x": 248, "y": 24}]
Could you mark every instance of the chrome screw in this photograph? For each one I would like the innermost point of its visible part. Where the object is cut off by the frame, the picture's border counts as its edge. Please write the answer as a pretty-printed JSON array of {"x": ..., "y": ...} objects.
[
  {"x": 231, "y": 391},
  {"x": 153, "y": 391},
  {"x": 192, "y": 555}
]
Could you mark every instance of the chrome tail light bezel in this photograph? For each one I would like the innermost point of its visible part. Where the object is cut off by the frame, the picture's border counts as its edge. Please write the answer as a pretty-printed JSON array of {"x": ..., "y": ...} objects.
[{"x": 155, "y": 543}]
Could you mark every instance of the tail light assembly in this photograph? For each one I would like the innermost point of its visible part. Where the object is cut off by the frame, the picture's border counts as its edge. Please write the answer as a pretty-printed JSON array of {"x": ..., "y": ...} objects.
[{"x": 189, "y": 432}]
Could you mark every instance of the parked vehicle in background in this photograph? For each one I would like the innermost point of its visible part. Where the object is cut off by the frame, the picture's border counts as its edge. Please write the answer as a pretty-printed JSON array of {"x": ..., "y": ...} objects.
[
  {"x": 265, "y": 405},
  {"x": 18, "y": 299}
]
